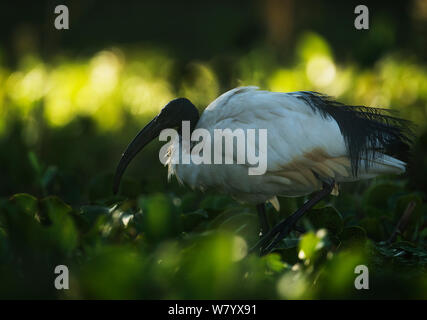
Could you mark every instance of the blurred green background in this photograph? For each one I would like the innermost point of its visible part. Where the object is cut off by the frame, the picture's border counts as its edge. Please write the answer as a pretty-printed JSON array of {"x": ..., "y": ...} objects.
[{"x": 71, "y": 100}]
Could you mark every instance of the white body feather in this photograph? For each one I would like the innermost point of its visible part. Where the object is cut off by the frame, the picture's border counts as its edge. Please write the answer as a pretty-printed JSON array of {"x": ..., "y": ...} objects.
[{"x": 303, "y": 148}]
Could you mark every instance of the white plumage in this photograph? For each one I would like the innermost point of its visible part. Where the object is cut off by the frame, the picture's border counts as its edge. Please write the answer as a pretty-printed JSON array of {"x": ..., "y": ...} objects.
[{"x": 304, "y": 148}]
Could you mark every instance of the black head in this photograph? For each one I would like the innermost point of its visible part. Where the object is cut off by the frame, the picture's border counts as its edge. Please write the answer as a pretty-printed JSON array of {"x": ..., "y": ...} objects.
[
  {"x": 170, "y": 117},
  {"x": 176, "y": 111}
]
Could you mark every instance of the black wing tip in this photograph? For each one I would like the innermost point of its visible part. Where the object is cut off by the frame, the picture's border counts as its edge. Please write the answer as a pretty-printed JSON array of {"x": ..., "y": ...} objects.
[{"x": 363, "y": 127}]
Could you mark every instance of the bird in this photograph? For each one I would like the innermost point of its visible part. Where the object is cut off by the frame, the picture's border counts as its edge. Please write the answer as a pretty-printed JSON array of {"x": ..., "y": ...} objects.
[{"x": 314, "y": 143}]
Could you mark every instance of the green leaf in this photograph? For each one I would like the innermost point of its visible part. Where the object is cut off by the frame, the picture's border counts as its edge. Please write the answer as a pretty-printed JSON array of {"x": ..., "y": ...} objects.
[
  {"x": 191, "y": 219},
  {"x": 189, "y": 202},
  {"x": 35, "y": 164},
  {"x": 112, "y": 273},
  {"x": 48, "y": 176},
  {"x": 352, "y": 236},
  {"x": 274, "y": 262},
  {"x": 62, "y": 234},
  {"x": 244, "y": 224},
  {"x": 224, "y": 215},
  {"x": 308, "y": 246},
  {"x": 92, "y": 212},
  {"x": 26, "y": 202},
  {"x": 378, "y": 195},
  {"x": 327, "y": 217},
  {"x": 160, "y": 220},
  {"x": 374, "y": 228}
]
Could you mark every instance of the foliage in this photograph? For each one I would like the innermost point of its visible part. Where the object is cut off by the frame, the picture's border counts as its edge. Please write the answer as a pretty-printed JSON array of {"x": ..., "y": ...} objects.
[{"x": 156, "y": 245}]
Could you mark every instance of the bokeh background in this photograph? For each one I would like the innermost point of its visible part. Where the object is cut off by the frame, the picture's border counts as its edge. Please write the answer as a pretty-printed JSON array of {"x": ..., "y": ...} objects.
[{"x": 71, "y": 100}]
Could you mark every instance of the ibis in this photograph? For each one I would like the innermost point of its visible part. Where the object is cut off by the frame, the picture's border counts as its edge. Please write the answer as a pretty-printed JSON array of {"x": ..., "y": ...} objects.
[{"x": 313, "y": 144}]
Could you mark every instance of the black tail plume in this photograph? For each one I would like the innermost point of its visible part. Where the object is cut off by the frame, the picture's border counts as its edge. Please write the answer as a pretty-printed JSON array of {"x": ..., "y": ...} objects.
[{"x": 366, "y": 130}]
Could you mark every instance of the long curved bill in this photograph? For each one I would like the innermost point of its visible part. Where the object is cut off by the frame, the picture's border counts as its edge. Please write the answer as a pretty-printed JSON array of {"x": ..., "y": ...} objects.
[{"x": 147, "y": 134}]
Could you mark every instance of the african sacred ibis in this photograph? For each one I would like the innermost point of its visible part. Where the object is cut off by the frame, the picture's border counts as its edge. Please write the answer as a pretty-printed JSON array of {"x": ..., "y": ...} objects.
[{"x": 313, "y": 143}]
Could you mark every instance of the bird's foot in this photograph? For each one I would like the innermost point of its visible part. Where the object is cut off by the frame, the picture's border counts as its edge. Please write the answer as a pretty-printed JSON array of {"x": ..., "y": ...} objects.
[
  {"x": 294, "y": 228},
  {"x": 268, "y": 242},
  {"x": 273, "y": 237},
  {"x": 282, "y": 231}
]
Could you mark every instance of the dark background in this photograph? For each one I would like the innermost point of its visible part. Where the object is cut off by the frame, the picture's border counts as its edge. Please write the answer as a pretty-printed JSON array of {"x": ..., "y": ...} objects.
[{"x": 203, "y": 30}]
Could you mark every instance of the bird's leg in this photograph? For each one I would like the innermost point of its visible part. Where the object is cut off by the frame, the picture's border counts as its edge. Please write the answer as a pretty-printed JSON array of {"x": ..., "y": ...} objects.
[
  {"x": 299, "y": 229},
  {"x": 287, "y": 225},
  {"x": 262, "y": 219},
  {"x": 283, "y": 228}
]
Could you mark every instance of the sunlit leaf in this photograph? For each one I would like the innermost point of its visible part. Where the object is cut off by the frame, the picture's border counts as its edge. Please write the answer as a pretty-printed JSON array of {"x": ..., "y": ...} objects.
[{"x": 308, "y": 246}]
